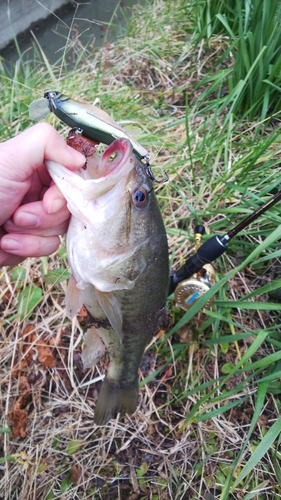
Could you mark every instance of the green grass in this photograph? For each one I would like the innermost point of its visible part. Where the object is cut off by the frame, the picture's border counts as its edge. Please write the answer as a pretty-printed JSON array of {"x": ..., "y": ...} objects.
[
  {"x": 250, "y": 66},
  {"x": 209, "y": 420}
]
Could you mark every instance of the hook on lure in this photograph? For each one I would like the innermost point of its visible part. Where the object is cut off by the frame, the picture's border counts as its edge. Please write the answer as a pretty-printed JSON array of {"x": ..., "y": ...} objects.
[{"x": 150, "y": 174}]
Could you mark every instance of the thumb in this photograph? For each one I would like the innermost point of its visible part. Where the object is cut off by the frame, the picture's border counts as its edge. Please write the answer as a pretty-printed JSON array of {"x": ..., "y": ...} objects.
[{"x": 25, "y": 153}]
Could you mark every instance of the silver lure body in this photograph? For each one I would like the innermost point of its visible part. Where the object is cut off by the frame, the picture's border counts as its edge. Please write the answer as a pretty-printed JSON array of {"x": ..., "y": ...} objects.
[{"x": 95, "y": 123}]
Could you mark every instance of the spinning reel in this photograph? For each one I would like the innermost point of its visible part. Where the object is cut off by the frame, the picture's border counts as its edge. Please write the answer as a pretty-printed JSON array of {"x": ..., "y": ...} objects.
[
  {"x": 197, "y": 275},
  {"x": 191, "y": 289}
]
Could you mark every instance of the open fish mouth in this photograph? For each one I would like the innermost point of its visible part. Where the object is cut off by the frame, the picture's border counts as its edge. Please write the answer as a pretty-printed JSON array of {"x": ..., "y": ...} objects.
[
  {"x": 117, "y": 153},
  {"x": 102, "y": 174}
]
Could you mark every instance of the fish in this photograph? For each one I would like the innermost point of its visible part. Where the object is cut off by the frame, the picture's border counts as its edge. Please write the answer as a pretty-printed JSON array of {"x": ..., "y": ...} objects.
[
  {"x": 118, "y": 253},
  {"x": 94, "y": 122}
]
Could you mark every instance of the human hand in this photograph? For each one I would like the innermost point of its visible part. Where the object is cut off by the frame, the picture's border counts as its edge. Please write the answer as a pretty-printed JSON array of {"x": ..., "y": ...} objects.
[{"x": 33, "y": 212}]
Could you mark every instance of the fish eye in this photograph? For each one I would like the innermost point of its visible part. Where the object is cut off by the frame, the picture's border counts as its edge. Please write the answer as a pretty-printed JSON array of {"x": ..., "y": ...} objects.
[{"x": 140, "y": 198}]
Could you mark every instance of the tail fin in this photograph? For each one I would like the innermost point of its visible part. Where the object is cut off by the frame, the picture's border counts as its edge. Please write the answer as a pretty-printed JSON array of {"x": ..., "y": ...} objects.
[{"x": 115, "y": 398}]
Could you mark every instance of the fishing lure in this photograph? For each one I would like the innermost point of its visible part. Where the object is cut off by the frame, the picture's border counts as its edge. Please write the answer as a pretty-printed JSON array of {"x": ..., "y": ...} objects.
[{"x": 95, "y": 123}]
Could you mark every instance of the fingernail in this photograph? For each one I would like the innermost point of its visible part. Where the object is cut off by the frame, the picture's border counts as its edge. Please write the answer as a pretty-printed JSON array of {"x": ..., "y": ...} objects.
[
  {"x": 26, "y": 219},
  {"x": 56, "y": 206},
  {"x": 10, "y": 244},
  {"x": 78, "y": 157}
]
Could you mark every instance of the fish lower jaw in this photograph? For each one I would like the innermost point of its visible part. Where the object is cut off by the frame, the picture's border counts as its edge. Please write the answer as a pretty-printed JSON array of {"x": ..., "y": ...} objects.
[{"x": 115, "y": 398}]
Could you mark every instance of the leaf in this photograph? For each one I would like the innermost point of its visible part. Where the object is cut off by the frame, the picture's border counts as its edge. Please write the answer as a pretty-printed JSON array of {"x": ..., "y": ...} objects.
[
  {"x": 50, "y": 495},
  {"x": 7, "y": 458},
  {"x": 260, "y": 451},
  {"x": 241, "y": 363},
  {"x": 62, "y": 253},
  {"x": 142, "y": 470},
  {"x": 76, "y": 473},
  {"x": 274, "y": 387},
  {"x": 28, "y": 300},
  {"x": 269, "y": 287},
  {"x": 74, "y": 445},
  {"x": 227, "y": 367},
  {"x": 276, "y": 464},
  {"x": 20, "y": 415},
  {"x": 253, "y": 306},
  {"x": 45, "y": 354},
  {"x": 224, "y": 348},
  {"x": 18, "y": 275},
  {"x": 261, "y": 395},
  {"x": 66, "y": 483},
  {"x": 56, "y": 276},
  {"x": 257, "y": 487},
  {"x": 220, "y": 410}
]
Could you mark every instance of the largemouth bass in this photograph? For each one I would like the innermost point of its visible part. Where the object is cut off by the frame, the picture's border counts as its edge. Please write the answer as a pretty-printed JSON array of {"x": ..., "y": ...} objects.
[{"x": 117, "y": 249}]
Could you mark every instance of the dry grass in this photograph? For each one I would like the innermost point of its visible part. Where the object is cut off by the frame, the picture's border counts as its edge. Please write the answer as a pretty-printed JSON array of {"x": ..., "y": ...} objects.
[
  {"x": 53, "y": 443},
  {"x": 50, "y": 447}
]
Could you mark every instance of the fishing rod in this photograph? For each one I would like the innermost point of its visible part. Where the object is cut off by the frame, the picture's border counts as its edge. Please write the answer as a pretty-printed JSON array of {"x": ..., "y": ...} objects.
[{"x": 207, "y": 253}]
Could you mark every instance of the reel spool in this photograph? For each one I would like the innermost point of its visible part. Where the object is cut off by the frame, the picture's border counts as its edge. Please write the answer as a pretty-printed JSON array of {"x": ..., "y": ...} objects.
[{"x": 190, "y": 290}]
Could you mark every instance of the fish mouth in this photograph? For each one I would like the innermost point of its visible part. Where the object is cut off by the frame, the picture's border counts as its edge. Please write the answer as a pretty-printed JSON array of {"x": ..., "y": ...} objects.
[
  {"x": 102, "y": 175},
  {"x": 116, "y": 154}
]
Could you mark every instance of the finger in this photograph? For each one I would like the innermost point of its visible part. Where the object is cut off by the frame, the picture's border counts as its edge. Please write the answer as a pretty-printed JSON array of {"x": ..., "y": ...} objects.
[
  {"x": 57, "y": 230},
  {"x": 53, "y": 200},
  {"x": 7, "y": 259},
  {"x": 28, "y": 245},
  {"x": 36, "y": 144},
  {"x": 32, "y": 218}
]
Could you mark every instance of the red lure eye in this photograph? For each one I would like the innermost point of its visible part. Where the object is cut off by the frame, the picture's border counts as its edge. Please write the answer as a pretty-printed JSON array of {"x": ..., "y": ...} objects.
[{"x": 140, "y": 198}]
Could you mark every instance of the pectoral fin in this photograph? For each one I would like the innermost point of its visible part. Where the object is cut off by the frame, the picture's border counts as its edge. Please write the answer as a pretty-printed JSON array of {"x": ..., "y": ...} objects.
[
  {"x": 111, "y": 308},
  {"x": 73, "y": 298},
  {"x": 93, "y": 348}
]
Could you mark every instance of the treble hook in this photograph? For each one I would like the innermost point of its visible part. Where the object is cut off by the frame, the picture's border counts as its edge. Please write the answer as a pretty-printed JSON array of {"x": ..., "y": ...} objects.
[{"x": 150, "y": 173}]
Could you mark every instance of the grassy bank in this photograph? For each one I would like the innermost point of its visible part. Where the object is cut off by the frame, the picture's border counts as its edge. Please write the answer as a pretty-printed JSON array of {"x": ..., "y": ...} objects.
[{"x": 208, "y": 423}]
